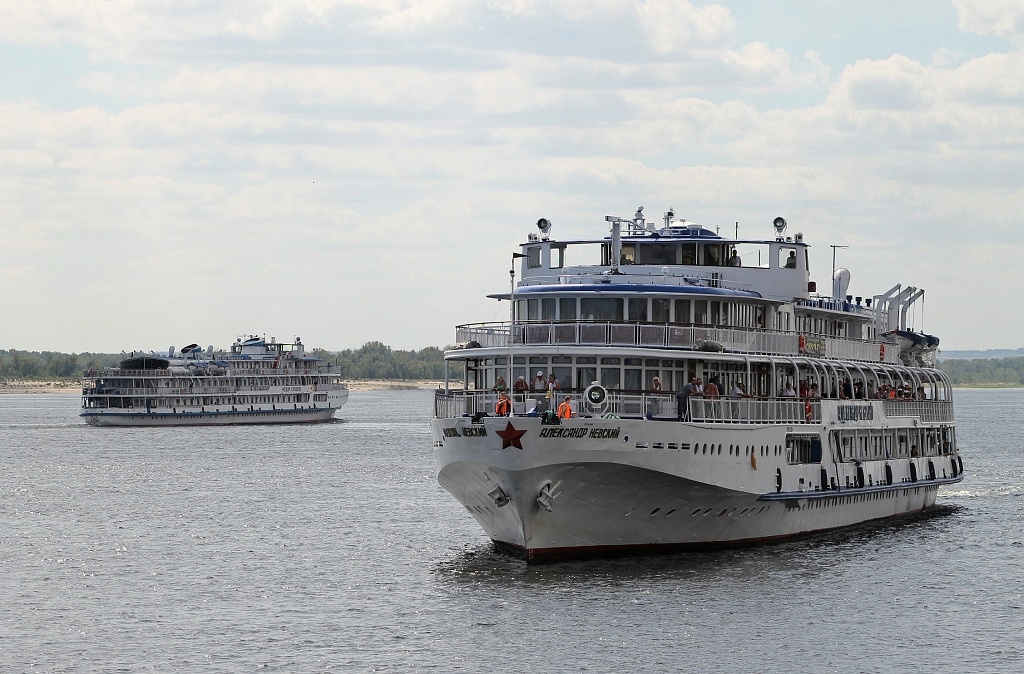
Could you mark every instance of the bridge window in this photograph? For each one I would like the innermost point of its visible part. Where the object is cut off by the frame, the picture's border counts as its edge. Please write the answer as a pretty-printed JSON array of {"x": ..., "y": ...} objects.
[
  {"x": 657, "y": 253},
  {"x": 567, "y": 308},
  {"x": 557, "y": 257},
  {"x": 787, "y": 257},
  {"x": 533, "y": 257}
]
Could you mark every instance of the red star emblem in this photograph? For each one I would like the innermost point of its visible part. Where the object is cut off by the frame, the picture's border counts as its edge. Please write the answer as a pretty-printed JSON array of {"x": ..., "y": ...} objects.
[{"x": 510, "y": 437}]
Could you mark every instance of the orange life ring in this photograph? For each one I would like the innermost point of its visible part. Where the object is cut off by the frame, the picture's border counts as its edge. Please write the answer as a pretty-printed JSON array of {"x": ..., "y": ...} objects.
[
  {"x": 881, "y": 352},
  {"x": 808, "y": 410},
  {"x": 802, "y": 343}
]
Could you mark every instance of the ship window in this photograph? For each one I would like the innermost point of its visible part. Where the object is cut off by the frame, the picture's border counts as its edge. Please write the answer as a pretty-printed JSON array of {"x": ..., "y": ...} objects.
[
  {"x": 567, "y": 308},
  {"x": 557, "y": 257},
  {"x": 547, "y": 309},
  {"x": 713, "y": 255},
  {"x": 611, "y": 376},
  {"x": 563, "y": 375},
  {"x": 628, "y": 255},
  {"x": 700, "y": 312},
  {"x": 716, "y": 313},
  {"x": 634, "y": 379},
  {"x": 586, "y": 360},
  {"x": 787, "y": 257},
  {"x": 601, "y": 308},
  {"x": 657, "y": 253},
  {"x": 561, "y": 359},
  {"x": 683, "y": 311},
  {"x": 689, "y": 253},
  {"x": 533, "y": 310},
  {"x": 538, "y": 360},
  {"x": 533, "y": 257},
  {"x": 586, "y": 375},
  {"x": 660, "y": 310},
  {"x": 638, "y": 309}
]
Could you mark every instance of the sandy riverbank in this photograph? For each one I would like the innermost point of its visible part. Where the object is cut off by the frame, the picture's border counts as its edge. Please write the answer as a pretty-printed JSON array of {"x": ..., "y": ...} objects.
[{"x": 28, "y": 386}]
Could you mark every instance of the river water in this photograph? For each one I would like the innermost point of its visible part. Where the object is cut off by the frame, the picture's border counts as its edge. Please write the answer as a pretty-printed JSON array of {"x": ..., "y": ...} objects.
[{"x": 331, "y": 548}]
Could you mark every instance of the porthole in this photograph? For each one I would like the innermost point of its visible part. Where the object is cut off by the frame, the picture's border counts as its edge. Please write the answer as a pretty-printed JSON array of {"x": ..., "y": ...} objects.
[
  {"x": 669, "y": 513},
  {"x": 655, "y": 512},
  {"x": 695, "y": 512}
]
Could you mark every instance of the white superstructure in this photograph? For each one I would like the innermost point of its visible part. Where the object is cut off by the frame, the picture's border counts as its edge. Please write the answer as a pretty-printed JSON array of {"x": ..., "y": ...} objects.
[
  {"x": 829, "y": 411},
  {"x": 255, "y": 382}
]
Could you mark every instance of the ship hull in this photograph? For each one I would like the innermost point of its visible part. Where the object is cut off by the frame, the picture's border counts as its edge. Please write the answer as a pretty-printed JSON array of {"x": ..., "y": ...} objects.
[
  {"x": 207, "y": 418},
  {"x": 574, "y": 498}
]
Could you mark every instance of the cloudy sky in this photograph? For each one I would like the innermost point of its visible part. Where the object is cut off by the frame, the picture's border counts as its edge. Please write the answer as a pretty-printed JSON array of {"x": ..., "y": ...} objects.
[{"x": 353, "y": 170}]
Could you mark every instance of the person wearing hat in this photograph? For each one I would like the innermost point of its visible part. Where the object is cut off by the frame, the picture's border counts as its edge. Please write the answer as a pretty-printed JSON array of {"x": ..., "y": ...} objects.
[
  {"x": 520, "y": 385},
  {"x": 539, "y": 382}
]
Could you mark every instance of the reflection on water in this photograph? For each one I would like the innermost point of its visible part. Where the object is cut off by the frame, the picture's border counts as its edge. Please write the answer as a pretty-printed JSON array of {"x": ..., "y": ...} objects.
[{"x": 484, "y": 563}]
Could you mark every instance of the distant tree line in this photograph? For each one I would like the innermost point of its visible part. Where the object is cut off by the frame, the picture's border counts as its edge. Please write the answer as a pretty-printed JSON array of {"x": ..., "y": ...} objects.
[
  {"x": 985, "y": 371},
  {"x": 374, "y": 360}
]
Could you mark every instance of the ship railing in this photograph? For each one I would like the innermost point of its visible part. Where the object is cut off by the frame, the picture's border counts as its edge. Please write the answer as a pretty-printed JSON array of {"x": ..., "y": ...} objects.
[
  {"x": 198, "y": 373},
  {"x": 457, "y": 403},
  {"x": 936, "y": 411},
  {"x": 665, "y": 336},
  {"x": 121, "y": 391}
]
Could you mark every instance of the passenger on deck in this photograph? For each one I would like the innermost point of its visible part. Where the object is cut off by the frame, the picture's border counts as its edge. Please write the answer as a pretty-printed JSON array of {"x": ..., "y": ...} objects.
[
  {"x": 791, "y": 260},
  {"x": 500, "y": 385},
  {"x": 520, "y": 385},
  {"x": 503, "y": 406},
  {"x": 788, "y": 391},
  {"x": 683, "y": 400},
  {"x": 655, "y": 385},
  {"x": 539, "y": 383},
  {"x": 739, "y": 390},
  {"x": 734, "y": 259},
  {"x": 554, "y": 384},
  {"x": 565, "y": 409}
]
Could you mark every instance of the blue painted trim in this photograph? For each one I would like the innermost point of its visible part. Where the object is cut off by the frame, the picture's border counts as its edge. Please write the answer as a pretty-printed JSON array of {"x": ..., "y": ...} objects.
[{"x": 570, "y": 288}]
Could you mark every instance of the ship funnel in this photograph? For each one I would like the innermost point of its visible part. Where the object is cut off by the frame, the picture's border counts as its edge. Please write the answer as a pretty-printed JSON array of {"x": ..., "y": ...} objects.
[{"x": 840, "y": 283}]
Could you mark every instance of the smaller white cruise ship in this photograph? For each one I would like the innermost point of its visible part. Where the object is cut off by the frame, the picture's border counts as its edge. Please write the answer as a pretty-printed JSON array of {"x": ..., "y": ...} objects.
[{"x": 256, "y": 382}]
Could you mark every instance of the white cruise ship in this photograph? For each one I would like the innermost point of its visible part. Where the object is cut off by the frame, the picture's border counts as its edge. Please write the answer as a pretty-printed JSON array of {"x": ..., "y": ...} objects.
[
  {"x": 829, "y": 410},
  {"x": 256, "y": 382}
]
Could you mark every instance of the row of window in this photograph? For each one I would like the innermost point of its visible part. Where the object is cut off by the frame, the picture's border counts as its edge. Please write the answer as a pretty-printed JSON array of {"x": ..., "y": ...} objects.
[
  {"x": 676, "y": 253},
  {"x": 642, "y": 310},
  {"x": 898, "y": 443}
]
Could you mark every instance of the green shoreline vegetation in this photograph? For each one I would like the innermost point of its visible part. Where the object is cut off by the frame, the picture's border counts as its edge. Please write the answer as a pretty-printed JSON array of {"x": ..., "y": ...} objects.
[
  {"x": 376, "y": 360},
  {"x": 373, "y": 360}
]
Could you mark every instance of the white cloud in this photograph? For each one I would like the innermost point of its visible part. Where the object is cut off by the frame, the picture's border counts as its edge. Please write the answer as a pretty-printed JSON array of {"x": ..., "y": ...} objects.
[
  {"x": 1004, "y": 18},
  {"x": 277, "y": 146}
]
